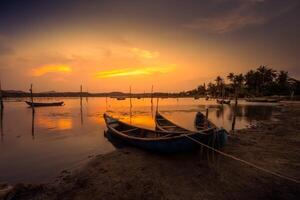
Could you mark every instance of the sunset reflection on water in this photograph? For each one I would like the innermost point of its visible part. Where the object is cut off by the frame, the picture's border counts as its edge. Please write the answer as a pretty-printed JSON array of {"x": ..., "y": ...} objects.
[{"x": 59, "y": 137}]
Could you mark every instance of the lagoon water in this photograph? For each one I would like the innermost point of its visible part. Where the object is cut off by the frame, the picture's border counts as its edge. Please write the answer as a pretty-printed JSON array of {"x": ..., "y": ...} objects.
[{"x": 36, "y": 149}]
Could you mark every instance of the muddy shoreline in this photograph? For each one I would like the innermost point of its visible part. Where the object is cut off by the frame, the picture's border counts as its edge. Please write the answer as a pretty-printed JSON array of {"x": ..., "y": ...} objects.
[{"x": 130, "y": 173}]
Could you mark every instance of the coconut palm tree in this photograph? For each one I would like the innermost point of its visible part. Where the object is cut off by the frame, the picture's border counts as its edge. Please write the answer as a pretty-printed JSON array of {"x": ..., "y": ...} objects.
[
  {"x": 220, "y": 84},
  {"x": 237, "y": 82}
]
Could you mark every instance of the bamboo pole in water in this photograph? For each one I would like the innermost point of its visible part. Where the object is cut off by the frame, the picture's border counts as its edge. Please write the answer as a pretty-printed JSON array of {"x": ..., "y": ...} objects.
[
  {"x": 81, "y": 117},
  {"x": 31, "y": 97},
  {"x": 130, "y": 96},
  {"x": 234, "y": 118},
  {"x": 130, "y": 105},
  {"x": 152, "y": 94},
  {"x": 32, "y": 124},
  {"x": 1, "y": 125},
  {"x": 1, "y": 98}
]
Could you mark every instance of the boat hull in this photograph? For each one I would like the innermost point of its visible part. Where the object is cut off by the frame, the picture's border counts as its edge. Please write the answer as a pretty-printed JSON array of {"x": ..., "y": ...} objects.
[
  {"x": 171, "y": 145},
  {"x": 36, "y": 104},
  {"x": 167, "y": 142}
]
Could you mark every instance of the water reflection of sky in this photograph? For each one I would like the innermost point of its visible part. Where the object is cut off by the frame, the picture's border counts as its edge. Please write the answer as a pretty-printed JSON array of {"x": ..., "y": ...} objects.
[{"x": 34, "y": 149}]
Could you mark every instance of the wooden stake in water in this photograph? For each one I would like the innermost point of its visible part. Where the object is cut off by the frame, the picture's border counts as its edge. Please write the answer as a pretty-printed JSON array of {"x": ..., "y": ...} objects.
[
  {"x": 234, "y": 118},
  {"x": 32, "y": 124},
  {"x": 206, "y": 117},
  {"x": 81, "y": 117},
  {"x": 157, "y": 99},
  {"x": 130, "y": 105},
  {"x": 1, "y": 125},
  {"x": 31, "y": 97},
  {"x": 130, "y": 96},
  {"x": 1, "y": 98},
  {"x": 152, "y": 94}
]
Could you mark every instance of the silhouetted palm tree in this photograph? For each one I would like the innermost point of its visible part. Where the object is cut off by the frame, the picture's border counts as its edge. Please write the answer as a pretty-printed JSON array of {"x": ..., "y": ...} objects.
[
  {"x": 220, "y": 85},
  {"x": 237, "y": 82}
]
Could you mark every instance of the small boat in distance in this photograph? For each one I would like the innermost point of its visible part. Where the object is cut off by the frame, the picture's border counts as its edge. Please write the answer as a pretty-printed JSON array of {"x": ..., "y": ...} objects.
[
  {"x": 218, "y": 136},
  {"x": 41, "y": 104},
  {"x": 121, "y": 98},
  {"x": 156, "y": 141},
  {"x": 223, "y": 101}
]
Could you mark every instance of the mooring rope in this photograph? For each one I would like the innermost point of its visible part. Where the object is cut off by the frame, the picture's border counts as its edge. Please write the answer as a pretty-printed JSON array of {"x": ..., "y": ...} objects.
[{"x": 246, "y": 162}]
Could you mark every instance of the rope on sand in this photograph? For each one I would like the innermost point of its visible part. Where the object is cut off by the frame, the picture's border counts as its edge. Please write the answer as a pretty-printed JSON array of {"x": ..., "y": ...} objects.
[{"x": 246, "y": 162}]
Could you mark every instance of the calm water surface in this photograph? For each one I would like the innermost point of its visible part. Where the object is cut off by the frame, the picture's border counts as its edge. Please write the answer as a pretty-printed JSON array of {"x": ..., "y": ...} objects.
[{"x": 35, "y": 149}]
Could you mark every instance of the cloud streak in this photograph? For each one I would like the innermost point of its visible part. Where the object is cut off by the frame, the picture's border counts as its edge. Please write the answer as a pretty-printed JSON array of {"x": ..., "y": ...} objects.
[
  {"x": 40, "y": 71},
  {"x": 145, "y": 71}
]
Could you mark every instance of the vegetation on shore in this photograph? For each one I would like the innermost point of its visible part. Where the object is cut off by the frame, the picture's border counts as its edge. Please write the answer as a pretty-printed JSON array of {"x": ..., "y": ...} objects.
[{"x": 264, "y": 81}]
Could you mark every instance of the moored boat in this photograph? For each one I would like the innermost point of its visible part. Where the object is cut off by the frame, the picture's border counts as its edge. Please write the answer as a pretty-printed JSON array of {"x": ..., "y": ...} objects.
[
  {"x": 204, "y": 126},
  {"x": 43, "y": 104},
  {"x": 157, "y": 141},
  {"x": 223, "y": 101},
  {"x": 201, "y": 121}
]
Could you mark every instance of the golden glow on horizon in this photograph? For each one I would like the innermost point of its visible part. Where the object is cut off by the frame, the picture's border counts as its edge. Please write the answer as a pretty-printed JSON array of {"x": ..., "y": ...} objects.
[
  {"x": 40, "y": 71},
  {"x": 144, "y": 53},
  {"x": 134, "y": 72}
]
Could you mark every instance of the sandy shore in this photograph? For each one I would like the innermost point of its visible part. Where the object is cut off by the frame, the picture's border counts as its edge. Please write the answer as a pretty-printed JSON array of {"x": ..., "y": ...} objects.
[{"x": 130, "y": 173}]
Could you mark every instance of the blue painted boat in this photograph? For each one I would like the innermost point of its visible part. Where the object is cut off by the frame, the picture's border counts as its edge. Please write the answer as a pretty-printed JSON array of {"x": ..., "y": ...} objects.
[
  {"x": 156, "y": 141},
  {"x": 202, "y": 122},
  {"x": 217, "y": 137}
]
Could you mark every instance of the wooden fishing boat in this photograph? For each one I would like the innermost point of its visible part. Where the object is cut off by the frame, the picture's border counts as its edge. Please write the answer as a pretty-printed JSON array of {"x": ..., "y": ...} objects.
[
  {"x": 157, "y": 141},
  {"x": 121, "y": 98},
  {"x": 223, "y": 101},
  {"x": 42, "y": 104},
  {"x": 201, "y": 122},
  {"x": 218, "y": 136}
]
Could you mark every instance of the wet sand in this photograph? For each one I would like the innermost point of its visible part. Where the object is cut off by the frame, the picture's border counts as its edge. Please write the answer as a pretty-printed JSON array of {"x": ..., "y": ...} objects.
[{"x": 130, "y": 173}]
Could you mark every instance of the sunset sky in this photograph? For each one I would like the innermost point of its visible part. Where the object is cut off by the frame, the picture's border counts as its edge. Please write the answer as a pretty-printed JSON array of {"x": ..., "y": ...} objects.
[{"x": 174, "y": 45}]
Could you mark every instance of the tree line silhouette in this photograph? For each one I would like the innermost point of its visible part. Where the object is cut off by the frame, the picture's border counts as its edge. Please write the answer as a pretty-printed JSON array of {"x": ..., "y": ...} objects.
[{"x": 263, "y": 81}]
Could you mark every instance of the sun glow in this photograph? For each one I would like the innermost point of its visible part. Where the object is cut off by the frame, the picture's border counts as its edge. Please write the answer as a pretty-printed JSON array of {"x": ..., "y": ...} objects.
[
  {"x": 40, "y": 71},
  {"x": 134, "y": 72}
]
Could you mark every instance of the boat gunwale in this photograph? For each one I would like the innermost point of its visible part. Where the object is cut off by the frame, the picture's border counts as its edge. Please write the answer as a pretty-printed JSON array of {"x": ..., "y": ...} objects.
[
  {"x": 202, "y": 131},
  {"x": 211, "y": 123},
  {"x": 180, "y": 136}
]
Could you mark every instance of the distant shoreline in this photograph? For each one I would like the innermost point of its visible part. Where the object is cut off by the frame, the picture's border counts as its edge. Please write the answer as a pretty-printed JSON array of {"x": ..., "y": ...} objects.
[{"x": 127, "y": 95}]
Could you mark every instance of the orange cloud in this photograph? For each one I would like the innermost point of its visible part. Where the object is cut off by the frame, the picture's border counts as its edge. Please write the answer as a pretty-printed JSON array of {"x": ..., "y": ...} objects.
[
  {"x": 134, "y": 72},
  {"x": 51, "y": 68},
  {"x": 144, "y": 53}
]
